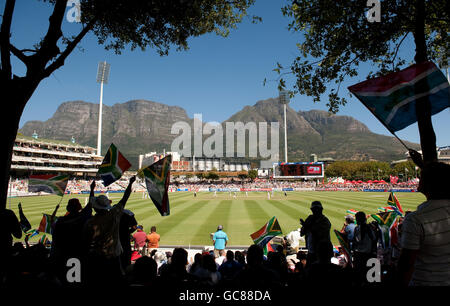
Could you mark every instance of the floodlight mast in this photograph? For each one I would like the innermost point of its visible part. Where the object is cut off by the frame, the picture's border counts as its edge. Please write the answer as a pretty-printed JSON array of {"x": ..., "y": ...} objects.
[
  {"x": 284, "y": 99},
  {"x": 102, "y": 78}
]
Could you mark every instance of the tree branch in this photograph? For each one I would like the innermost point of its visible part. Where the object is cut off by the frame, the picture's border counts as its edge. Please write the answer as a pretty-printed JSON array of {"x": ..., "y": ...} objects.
[
  {"x": 19, "y": 54},
  {"x": 49, "y": 47},
  {"x": 396, "y": 50},
  {"x": 70, "y": 46},
  {"x": 5, "y": 30}
]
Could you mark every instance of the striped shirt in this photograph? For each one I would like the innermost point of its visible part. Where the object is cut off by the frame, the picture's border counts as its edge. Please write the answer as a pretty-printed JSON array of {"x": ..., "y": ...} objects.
[{"x": 428, "y": 231}]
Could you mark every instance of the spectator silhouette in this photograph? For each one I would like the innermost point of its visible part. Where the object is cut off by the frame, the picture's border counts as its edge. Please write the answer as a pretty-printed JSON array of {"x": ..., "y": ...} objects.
[
  {"x": 144, "y": 272},
  {"x": 255, "y": 274},
  {"x": 230, "y": 268},
  {"x": 207, "y": 274},
  {"x": 9, "y": 226},
  {"x": 322, "y": 272},
  {"x": 101, "y": 237},
  {"x": 67, "y": 236},
  {"x": 128, "y": 225},
  {"x": 240, "y": 258},
  {"x": 316, "y": 228},
  {"x": 425, "y": 235},
  {"x": 364, "y": 246},
  {"x": 276, "y": 261},
  {"x": 174, "y": 273}
]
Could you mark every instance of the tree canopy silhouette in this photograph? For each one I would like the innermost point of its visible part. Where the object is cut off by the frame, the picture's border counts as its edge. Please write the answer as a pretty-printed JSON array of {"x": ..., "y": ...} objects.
[
  {"x": 117, "y": 24},
  {"x": 336, "y": 37}
]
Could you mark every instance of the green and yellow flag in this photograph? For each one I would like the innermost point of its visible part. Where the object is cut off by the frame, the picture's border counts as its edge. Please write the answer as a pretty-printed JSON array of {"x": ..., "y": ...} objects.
[
  {"x": 50, "y": 183},
  {"x": 157, "y": 179}
]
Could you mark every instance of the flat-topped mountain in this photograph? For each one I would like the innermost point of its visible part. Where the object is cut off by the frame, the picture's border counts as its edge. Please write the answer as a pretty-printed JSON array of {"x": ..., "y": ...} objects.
[{"x": 141, "y": 126}]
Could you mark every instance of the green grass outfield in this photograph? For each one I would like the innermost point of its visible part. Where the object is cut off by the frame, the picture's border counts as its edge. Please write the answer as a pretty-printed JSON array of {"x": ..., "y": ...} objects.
[{"x": 192, "y": 219}]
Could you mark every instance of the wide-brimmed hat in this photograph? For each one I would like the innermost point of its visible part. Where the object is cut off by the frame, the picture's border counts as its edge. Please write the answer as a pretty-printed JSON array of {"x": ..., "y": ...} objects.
[{"x": 101, "y": 202}]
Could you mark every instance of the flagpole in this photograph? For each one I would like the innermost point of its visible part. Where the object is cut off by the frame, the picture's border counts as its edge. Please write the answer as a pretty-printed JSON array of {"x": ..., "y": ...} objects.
[{"x": 400, "y": 140}]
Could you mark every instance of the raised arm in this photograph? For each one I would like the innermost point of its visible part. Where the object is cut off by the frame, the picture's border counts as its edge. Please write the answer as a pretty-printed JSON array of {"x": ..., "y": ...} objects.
[
  {"x": 127, "y": 193},
  {"x": 92, "y": 189}
]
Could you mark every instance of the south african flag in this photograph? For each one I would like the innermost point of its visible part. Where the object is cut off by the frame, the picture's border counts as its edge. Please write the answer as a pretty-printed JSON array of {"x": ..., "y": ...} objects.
[
  {"x": 392, "y": 98},
  {"x": 345, "y": 246},
  {"x": 386, "y": 221},
  {"x": 395, "y": 204},
  {"x": 157, "y": 179},
  {"x": 50, "y": 183},
  {"x": 267, "y": 232},
  {"x": 113, "y": 166},
  {"x": 46, "y": 225}
]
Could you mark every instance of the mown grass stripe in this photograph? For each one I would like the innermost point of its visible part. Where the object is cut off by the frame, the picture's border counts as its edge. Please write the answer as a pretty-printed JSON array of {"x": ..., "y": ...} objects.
[
  {"x": 219, "y": 215},
  {"x": 258, "y": 216},
  {"x": 170, "y": 222},
  {"x": 245, "y": 214}
]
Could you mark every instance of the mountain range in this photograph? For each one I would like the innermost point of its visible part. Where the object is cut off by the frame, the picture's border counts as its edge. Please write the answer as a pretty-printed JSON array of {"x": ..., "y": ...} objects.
[{"x": 141, "y": 126}]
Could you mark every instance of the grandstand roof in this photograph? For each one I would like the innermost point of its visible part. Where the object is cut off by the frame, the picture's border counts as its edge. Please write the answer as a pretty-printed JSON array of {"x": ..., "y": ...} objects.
[{"x": 50, "y": 141}]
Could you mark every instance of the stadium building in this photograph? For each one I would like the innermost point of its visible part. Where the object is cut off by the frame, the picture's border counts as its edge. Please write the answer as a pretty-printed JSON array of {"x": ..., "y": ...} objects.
[
  {"x": 443, "y": 155},
  {"x": 32, "y": 155},
  {"x": 200, "y": 164}
]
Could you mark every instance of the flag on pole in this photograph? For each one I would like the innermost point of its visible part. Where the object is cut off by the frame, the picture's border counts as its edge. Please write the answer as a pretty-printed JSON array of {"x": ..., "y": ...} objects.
[
  {"x": 44, "y": 240},
  {"x": 114, "y": 164},
  {"x": 395, "y": 204},
  {"x": 385, "y": 222},
  {"x": 157, "y": 179},
  {"x": 345, "y": 246},
  {"x": 50, "y": 183},
  {"x": 267, "y": 232},
  {"x": 46, "y": 224},
  {"x": 392, "y": 98},
  {"x": 386, "y": 209},
  {"x": 351, "y": 211},
  {"x": 393, "y": 179},
  {"x": 268, "y": 248}
]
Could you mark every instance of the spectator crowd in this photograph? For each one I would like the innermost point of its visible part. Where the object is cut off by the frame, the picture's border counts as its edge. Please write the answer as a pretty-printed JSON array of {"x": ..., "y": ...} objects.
[{"x": 113, "y": 250}]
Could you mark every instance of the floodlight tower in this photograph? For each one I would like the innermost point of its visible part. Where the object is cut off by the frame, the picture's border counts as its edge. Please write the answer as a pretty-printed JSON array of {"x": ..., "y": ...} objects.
[
  {"x": 102, "y": 78},
  {"x": 284, "y": 99}
]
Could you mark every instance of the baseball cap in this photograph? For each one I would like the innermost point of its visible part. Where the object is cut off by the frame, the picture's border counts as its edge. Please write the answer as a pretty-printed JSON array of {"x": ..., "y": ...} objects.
[
  {"x": 316, "y": 204},
  {"x": 102, "y": 202}
]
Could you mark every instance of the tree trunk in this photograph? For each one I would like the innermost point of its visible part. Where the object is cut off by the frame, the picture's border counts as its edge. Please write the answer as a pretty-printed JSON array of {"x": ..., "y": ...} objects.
[
  {"x": 18, "y": 92},
  {"x": 423, "y": 105}
]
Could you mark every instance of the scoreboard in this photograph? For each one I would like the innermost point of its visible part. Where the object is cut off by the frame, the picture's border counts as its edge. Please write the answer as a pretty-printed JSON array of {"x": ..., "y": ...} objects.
[{"x": 298, "y": 170}]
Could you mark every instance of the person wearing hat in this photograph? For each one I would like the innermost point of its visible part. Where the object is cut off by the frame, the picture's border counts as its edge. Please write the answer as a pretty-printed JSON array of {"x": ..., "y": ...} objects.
[
  {"x": 316, "y": 229},
  {"x": 220, "y": 239},
  {"x": 101, "y": 237}
]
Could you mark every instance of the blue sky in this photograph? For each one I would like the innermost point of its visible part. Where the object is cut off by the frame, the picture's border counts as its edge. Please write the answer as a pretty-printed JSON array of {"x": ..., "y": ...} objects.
[{"x": 216, "y": 77}]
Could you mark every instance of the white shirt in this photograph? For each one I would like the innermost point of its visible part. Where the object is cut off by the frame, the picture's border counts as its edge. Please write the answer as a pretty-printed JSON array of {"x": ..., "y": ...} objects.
[
  {"x": 219, "y": 260},
  {"x": 428, "y": 231}
]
